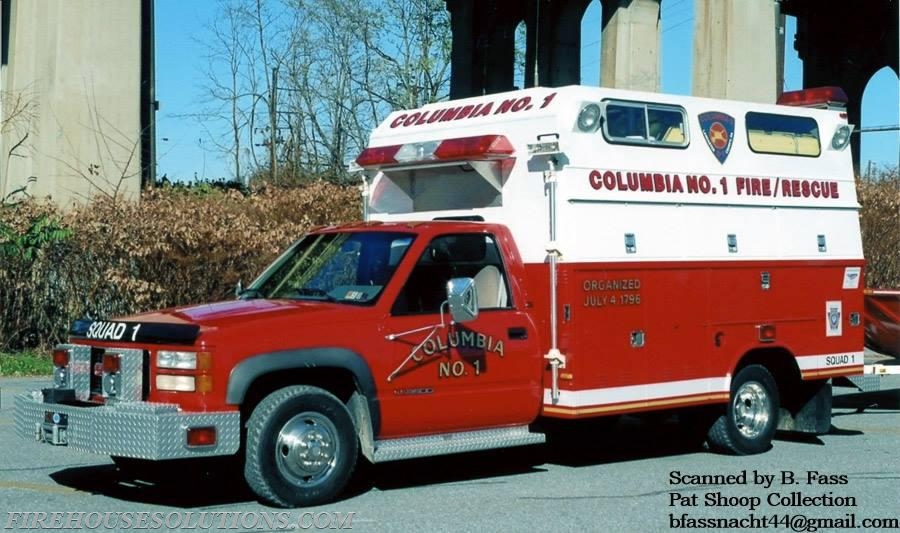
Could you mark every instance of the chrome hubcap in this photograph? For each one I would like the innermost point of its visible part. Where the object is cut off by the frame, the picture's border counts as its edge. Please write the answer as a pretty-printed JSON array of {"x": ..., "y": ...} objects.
[
  {"x": 306, "y": 449},
  {"x": 751, "y": 409}
]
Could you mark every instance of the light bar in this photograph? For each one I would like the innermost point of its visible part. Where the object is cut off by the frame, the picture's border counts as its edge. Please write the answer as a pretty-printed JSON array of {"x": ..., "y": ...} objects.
[
  {"x": 480, "y": 148},
  {"x": 484, "y": 147},
  {"x": 815, "y": 97},
  {"x": 382, "y": 155}
]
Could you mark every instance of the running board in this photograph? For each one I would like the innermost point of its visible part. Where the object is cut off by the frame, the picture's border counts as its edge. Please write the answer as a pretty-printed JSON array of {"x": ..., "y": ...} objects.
[
  {"x": 447, "y": 443},
  {"x": 870, "y": 379}
]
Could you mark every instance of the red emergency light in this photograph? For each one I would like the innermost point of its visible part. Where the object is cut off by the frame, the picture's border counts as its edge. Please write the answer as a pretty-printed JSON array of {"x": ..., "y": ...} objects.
[
  {"x": 60, "y": 357},
  {"x": 480, "y": 148},
  {"x": 112, "y": 363},
  {"x": 815, "y": 97}
]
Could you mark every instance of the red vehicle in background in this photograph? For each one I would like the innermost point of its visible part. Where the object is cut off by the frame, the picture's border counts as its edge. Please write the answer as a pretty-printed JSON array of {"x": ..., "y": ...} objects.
[{"x": 882, "y": 321}]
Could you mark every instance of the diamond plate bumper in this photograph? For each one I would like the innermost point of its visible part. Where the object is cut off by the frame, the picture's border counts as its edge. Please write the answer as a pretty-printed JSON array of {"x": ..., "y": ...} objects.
[{"x": 141, "y": 430}]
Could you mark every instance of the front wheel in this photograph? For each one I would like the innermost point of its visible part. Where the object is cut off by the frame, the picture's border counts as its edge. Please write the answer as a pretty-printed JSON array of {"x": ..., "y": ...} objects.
[
  {"x": 749, "y": 422},
  {"x": 301, "y": 447}
]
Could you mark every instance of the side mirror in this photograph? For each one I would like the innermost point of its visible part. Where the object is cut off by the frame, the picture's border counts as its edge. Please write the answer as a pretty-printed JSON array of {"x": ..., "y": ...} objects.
[
  {"x": 462, "y": 299},
  {"x": 238, "y": 289}
]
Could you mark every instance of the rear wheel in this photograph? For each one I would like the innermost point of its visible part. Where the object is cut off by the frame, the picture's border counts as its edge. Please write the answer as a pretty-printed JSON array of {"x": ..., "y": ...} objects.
[
  {"x": 749, "y": 422},
  {"x": 301, "y": 447}
]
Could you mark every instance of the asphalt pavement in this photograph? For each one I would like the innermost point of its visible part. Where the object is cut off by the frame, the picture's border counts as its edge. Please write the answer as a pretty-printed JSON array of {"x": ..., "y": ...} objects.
[{"x": 642, "y": 476}]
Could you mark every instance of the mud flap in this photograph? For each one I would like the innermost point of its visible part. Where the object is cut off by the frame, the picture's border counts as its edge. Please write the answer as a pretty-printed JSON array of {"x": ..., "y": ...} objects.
[{"x": 806, "y": 408}]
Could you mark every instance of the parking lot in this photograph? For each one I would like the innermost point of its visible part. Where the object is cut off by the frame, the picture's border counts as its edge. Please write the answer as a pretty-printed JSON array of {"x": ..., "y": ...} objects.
[{"x": 643, "y": 476}]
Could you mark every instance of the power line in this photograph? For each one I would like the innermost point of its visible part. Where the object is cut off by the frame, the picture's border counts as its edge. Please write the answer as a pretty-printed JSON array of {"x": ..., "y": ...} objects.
[
  {"x": 870, "y": 129},
  {"x": 682, "y": 23}
]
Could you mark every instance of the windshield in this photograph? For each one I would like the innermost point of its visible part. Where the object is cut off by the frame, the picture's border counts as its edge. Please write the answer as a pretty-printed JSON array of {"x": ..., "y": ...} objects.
[{"x": 337, "y": 267}]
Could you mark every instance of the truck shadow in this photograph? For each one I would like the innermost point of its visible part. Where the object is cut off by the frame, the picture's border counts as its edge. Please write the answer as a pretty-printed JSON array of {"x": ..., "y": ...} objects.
[
  {"x": 186, "y": 489},
  {"x": 193, "y": 488},
  {"x": 884, "y": 399},
  {"x": 628, "y": 439}
]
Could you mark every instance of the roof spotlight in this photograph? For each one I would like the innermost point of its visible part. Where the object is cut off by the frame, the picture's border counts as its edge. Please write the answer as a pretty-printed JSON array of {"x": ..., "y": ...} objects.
[{"x": 589, "y": 118}]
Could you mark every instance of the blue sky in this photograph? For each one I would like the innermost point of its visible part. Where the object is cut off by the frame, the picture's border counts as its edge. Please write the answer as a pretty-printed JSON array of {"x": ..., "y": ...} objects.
[{"x": 184, "y": 147}]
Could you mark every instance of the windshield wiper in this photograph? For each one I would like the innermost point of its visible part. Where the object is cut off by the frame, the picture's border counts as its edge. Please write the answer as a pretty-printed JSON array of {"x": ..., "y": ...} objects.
[{"x": 250, "y": 293}]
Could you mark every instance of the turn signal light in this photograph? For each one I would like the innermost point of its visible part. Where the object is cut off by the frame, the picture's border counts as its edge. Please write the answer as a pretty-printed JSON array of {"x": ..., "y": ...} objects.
[
  {"x": 201, "y": 436},
  {"x": 60, "y": 357},
  {"x": 766, "y": 332},
  {"x": 204, "y": 383}
]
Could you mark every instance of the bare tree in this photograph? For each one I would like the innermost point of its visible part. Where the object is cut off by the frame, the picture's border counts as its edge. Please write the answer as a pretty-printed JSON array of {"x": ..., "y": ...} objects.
[
  {"x": 343, "y": 66},
  {"x": 413, "y": 50},
  {"x": 18, "y": 110},
  {"x": 110, "y": 164}
]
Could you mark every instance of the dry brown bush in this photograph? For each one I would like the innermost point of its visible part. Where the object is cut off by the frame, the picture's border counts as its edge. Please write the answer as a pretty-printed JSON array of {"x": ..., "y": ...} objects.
[
  {"x": 175, "y": 247},
  {"x": 880, "y": 224},
  {"x": 181, "y": 246}
]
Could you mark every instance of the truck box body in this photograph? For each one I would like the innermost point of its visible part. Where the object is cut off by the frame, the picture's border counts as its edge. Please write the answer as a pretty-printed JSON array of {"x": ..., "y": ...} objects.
[{"x": 660, "y": 240}]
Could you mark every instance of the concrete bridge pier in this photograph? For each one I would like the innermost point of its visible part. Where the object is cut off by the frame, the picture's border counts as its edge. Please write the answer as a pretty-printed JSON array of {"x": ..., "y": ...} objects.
[
  {"x": 738, "y": 50},
  {"x": 554, "y": 42},
  {"x": 630, "y": 44}
]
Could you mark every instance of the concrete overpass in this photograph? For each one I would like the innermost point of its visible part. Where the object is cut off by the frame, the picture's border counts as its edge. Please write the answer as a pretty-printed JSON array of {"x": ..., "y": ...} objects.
[{"x": 738, "y": 45}]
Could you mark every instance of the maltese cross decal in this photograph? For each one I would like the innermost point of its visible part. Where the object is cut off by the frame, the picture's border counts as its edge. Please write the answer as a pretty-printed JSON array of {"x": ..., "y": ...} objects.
[{"x": 718, "y": 131}]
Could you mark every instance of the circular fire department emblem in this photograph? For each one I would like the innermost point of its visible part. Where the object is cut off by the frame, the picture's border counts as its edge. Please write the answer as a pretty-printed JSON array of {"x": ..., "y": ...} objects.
[{"x": 718, "y": 135}]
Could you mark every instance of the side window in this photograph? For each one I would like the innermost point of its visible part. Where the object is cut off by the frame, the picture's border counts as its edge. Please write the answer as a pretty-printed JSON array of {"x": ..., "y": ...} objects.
[
  {"x": 473, "y": 255},
  {"x": 769, "y": 133},
  {"x": 647, "y": 124}
]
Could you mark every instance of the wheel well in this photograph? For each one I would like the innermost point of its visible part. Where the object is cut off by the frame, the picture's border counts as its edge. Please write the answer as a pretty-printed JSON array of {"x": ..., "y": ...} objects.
[
  {"x": 779, "y": 362},
  {"x": 337, "y": 381},
  {"x": 805, "y": 406}
]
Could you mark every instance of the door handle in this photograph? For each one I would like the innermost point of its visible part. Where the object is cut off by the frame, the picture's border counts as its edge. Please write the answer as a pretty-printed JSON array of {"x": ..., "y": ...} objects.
[{"x": 517, "y": 334}]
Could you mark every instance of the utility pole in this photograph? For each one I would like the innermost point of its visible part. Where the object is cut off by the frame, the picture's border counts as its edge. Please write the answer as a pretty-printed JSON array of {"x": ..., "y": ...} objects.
[{"x": 273, "y": 125}]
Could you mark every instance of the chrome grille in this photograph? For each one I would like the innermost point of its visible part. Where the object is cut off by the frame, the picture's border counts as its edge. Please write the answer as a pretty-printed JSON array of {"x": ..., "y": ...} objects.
[{"x": 85, "y": 368}]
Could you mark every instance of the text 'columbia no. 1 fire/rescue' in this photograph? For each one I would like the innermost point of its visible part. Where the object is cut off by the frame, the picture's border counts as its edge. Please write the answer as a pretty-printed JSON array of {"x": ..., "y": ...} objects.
[{"x": 610, "y": 180}]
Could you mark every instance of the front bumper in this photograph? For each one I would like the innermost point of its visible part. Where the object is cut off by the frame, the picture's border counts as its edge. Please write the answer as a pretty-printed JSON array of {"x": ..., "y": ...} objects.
[{"x": 142, "y": 430}]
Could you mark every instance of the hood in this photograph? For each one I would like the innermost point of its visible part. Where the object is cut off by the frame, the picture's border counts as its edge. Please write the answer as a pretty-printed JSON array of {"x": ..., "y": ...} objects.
[
  {"x": 219, "y": 314},
  {"x": 183, "y": 325}
]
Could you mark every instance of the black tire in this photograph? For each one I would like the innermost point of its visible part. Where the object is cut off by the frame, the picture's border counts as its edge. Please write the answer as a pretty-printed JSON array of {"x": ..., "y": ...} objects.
[
  {"x": 694, "y": 423},
  {"x": 749, "y": 422},
  {"x": 301, "y": 447}
]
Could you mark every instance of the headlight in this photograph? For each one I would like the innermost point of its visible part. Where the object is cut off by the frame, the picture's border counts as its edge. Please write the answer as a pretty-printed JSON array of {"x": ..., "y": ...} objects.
[
  {"x": 175, "y": 383},
  {"x": 173, "y": 359}
]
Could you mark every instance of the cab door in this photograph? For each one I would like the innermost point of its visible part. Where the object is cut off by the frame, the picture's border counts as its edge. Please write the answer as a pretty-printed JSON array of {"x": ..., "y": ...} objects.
[{"x": 451, "y": 377}]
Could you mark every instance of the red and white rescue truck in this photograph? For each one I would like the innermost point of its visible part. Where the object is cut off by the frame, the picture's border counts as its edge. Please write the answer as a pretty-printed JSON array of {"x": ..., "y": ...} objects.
[{"x": 550, "y": 253}]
